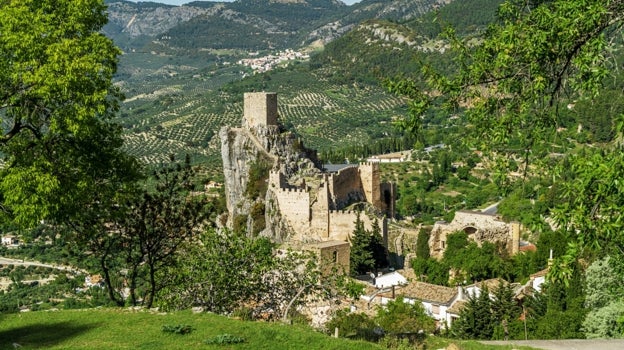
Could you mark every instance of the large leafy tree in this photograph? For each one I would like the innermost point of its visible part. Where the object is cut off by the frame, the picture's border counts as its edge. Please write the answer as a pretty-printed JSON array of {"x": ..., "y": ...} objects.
[
  {"x": 61, "y": 152},
  {"x": 538, "y": 57}
]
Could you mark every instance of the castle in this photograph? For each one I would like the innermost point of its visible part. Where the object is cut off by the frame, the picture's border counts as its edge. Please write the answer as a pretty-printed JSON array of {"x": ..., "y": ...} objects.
[{"x": 304, "y": 203}]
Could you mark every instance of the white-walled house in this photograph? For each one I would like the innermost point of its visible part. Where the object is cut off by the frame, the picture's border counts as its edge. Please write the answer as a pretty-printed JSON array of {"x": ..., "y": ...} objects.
[
  {"x": 435, "y": 299},
  {"x": 390, "y": 279},
  {"x": 537, "y": 279},
  {"x": 10, "y": 240}
]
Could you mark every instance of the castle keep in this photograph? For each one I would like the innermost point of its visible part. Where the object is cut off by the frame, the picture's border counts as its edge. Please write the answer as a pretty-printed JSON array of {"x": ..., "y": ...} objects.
[{"x": 303, "y": 203}]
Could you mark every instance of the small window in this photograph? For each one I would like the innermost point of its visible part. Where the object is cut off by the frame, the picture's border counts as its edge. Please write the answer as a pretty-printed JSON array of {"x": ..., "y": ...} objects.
[
  {"x": 443, "y": 243},
  {"x": 335, "y": 256}
]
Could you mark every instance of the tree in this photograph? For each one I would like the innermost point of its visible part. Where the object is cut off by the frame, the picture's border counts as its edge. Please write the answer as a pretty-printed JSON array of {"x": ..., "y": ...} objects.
[
  {"x": 158, "y": 223},
  {"x": 361, "y": 257},
  {"x": 61, "y": 150},
  {"x": 399, "y": 317},
  {"x": 422, "y": 244},
  {"x": 604, "y": 300},
  {"x": 377, "y": 247},
  {"x": 538, "y": 56},
  {"x": 225, "y": 272},
  {"x": 220, "y": 273},
  {"x": 476, "y": 320},
  {"x": 138, "y": 235}
]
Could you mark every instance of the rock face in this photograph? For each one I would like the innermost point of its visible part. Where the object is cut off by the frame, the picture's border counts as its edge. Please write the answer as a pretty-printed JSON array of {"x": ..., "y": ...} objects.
[
  {"x": 248, "y": 154},
  {"x": 135, "y": 20}
]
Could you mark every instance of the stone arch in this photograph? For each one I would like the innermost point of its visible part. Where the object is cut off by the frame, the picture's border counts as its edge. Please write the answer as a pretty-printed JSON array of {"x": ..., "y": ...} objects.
[{"x": 470, "y": 230}]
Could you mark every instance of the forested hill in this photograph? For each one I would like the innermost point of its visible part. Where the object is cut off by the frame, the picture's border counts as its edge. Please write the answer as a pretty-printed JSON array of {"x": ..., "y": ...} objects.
[
  {"x": 202, "y": 26},
  {"x": 182, "y": 71},
  {"x": 376, "y": 49}
]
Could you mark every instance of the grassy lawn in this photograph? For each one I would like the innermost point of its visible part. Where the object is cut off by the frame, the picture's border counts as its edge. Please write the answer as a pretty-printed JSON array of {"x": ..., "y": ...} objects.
[
  {"x": 125, "y": 329},
  {"x": 128, "y": 329}
]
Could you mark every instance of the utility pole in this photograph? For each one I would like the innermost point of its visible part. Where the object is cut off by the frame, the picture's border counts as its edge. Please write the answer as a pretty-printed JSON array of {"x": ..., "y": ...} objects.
[{"x": 526, "y": 337}]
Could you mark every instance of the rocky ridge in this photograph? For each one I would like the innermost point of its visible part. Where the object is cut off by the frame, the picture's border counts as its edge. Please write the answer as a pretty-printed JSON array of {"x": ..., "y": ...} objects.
[{"x": 241, "y": 150}]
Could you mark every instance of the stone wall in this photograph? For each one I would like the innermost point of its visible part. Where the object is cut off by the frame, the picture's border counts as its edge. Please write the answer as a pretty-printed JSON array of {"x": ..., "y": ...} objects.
[
  {"x": 370, "y": 179},
  {"x": 345, "y": 187},
  {"x": 342, "y": 224},
  {"x": 294, "y": 204},
  {"x": 260, "y": 109},
  {"x": 333, "y": 256},
  {"x": 480, "y": 228}
]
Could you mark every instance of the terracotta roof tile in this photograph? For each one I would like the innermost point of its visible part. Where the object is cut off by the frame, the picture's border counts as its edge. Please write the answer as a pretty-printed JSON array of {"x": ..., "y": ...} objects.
[
  {"x": 457, "y": 307},
  {"x": 542, "y": 273},
  {"x": 428, "y": 292}
]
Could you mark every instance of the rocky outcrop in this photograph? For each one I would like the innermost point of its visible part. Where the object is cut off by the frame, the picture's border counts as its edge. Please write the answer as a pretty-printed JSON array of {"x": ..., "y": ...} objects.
[
  {"x": 241, "y": 150},
  {"x": 137, "y": 19}
]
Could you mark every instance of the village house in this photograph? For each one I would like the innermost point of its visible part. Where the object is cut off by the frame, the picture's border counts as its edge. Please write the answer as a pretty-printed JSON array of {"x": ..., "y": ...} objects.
[{"x": 10, "y": 241}]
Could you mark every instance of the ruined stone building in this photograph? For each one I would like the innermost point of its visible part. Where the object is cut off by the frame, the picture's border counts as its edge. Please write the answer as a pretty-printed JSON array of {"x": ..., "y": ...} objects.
[
  {"x": 480, "y": 227},
  {"x": 301, "y": 202}
]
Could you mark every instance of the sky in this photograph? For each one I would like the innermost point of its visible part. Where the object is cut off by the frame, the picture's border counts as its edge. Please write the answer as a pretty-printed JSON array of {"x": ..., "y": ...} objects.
[{"x": 181, "y": 2}]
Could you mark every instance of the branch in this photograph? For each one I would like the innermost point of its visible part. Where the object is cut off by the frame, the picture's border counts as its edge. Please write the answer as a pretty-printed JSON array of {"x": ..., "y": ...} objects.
[{"x": 17, "y": 127}]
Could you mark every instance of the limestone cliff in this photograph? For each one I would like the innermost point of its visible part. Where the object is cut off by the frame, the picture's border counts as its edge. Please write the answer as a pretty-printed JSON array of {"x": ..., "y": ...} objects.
[{"x": 248, "y": 154}]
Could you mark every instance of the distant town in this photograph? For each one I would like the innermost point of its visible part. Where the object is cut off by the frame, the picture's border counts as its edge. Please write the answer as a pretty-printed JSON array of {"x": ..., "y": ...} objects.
[{"x": 266, "y": 63}]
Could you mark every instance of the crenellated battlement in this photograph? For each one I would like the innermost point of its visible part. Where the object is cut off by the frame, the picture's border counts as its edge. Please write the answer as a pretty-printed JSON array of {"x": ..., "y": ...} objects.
[
  {"x": 347, "y": 212},
  {"x": 371, "y": 164},
  {"x": 292, "y": 190}
]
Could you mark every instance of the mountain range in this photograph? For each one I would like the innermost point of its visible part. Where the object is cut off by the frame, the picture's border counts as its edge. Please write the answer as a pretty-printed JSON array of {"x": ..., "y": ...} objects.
[{"x": 182, "y": 79}]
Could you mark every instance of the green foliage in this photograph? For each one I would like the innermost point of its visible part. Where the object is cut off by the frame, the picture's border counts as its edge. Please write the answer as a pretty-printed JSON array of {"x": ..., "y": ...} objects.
[
  {"x": 135, "y": 238},
  {"x": 476, "y": 320},
  {"x": 399, "y": 317},
  {"x": 432, "y": 270},
  {"x": 422, "y": 244},
  {"x": 604, "y": 300},
  {"x": 61, "y": 151},
  {"x": 225, "y": 339},
  {"x": 361, "y": 258},
  {"x": 605, "y": 322},
  {"x": 258, "y": 176},
  {"x": 353, "y": 325},
  {"x": 177, "y": 329},
  {"x": 368, "y": 252},
  {"x": 219, "y": 274},
  {"x": 396, "y": 320},
  {"x": 226, "y": 271}
]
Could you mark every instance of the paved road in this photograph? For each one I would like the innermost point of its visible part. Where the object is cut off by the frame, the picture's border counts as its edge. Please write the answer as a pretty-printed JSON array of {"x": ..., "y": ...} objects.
[
  {"x": 492, "y": 209},
  {"x": 571, "y": 344},
  {"x": 9, "y": 261}
]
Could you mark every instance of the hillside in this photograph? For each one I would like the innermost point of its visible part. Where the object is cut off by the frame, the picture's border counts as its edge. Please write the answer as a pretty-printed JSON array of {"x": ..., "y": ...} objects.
[
  {"x": 139, "y": 329},
  {"x": 180, "y": 89}
]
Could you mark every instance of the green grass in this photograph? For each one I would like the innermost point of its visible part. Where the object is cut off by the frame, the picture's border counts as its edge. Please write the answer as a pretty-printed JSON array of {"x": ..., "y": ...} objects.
[
  {"x": 126, "y": 329},
  {"x": 130, "y": 329}
]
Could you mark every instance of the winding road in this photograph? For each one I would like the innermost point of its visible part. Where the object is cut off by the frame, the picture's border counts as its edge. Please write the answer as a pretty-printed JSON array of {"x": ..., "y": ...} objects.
[{"x": 21, "y": 262}]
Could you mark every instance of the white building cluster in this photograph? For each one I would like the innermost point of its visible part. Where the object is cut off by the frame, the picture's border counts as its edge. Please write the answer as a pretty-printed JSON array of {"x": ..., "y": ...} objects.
[{"x": 266, "y": 63}]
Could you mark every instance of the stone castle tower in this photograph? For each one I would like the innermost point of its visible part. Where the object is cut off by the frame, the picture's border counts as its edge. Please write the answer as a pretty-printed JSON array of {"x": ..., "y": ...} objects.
[{"x": 260, "y": 109}]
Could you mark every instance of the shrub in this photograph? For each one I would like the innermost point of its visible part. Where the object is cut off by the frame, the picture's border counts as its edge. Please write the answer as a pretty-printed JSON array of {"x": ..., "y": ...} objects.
[
  {"x": 177, "y": 329},
  {"x": 353, "y": 326},
  {"x": 224, "y": 339}
]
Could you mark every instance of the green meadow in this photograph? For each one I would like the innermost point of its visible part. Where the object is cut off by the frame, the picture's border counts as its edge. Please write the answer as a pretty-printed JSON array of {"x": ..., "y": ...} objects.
[{"x": 112, "y": 328}]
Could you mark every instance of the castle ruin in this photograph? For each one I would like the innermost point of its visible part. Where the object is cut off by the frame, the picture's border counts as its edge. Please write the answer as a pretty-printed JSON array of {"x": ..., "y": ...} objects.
[
  {"x": 480, "y": 227},
  {"x": 303, "y": 203}
]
